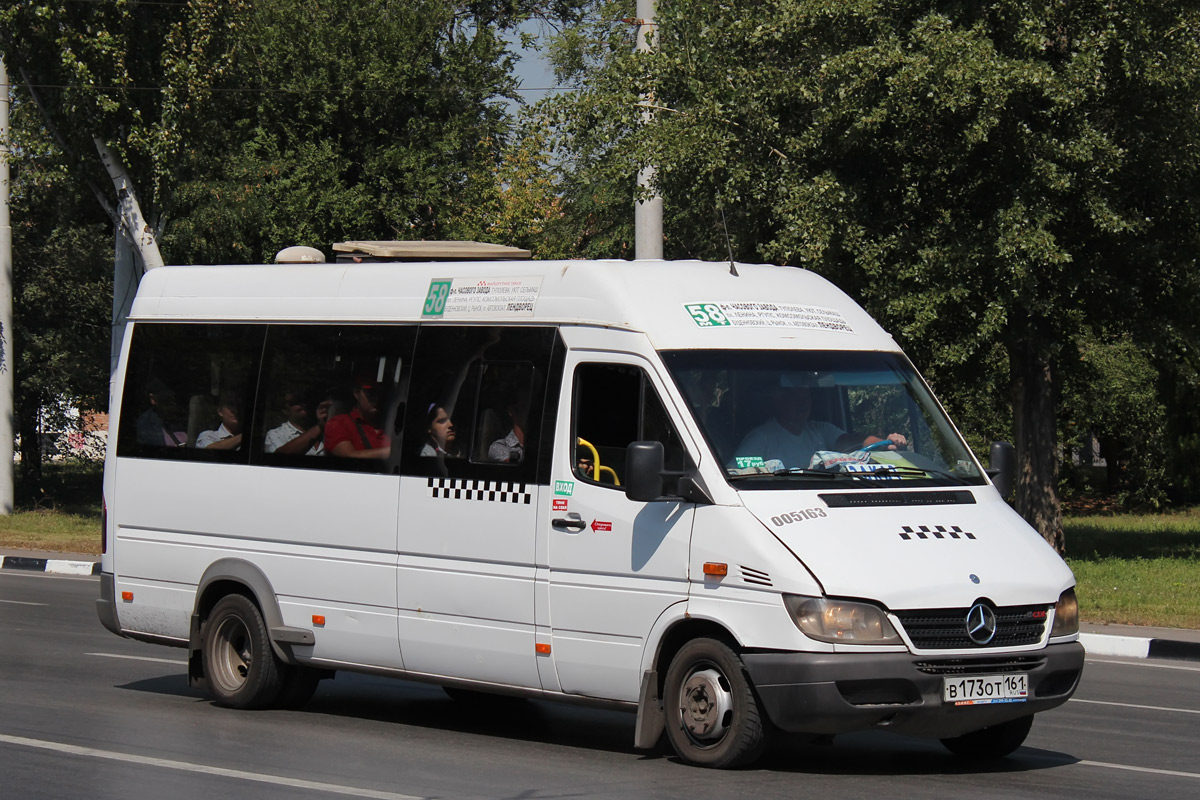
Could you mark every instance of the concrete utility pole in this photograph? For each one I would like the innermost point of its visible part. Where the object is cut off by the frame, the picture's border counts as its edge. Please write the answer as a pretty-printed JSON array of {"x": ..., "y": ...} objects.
[
  {"x": 7, "y": 410},
  {"x": 648, "y": 214}
]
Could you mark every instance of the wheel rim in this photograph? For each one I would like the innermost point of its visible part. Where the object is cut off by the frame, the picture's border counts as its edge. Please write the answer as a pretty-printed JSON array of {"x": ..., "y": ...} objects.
[
  {"x": 233, "y": 654},
  {"x": 705, "y": 705}
]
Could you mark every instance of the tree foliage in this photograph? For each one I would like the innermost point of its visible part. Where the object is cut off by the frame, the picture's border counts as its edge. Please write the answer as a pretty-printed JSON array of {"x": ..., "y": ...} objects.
[
  {"x": 246, "y": 126},
  {"x": 62, "y": 293},
  {"x": 998, "y": 181}
]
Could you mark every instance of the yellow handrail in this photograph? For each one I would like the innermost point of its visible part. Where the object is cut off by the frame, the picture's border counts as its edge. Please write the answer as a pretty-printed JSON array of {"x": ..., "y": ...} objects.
[{"x": 596, "y": 462}]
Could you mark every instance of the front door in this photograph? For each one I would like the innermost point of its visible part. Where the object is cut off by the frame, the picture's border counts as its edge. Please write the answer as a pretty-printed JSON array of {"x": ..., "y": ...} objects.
[{"x": 614, "y": 564}]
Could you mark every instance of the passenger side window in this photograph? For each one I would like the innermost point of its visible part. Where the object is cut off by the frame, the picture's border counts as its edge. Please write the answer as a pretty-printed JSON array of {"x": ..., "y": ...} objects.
[
  {"x": 476, "y": 402},
  {"x": 331, "y": 395},
  {"x": 615, "y": 404},
  {"x": 189, "y": 391}
]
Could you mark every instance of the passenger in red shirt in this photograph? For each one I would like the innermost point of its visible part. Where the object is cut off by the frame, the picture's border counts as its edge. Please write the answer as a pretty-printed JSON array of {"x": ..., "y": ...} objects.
[{"x": 359, "y": 434}]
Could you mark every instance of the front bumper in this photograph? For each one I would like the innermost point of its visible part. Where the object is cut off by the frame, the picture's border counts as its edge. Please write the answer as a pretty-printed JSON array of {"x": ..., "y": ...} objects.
[{"x": 830, "y": 693}]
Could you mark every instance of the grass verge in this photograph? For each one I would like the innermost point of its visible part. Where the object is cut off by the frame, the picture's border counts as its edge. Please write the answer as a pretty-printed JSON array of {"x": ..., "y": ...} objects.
[
  {"x": 53, "y": 531},
  {"x": 63, "y": 516},
  {"x": 1137, "y": 569}
]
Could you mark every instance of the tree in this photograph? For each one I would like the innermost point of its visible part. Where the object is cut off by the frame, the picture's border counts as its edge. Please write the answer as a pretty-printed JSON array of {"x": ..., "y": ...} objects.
[
  {"x": 998, "y": 181},
  {"x": 62, "y": 289},
  {"x": 246, "y": 126}
]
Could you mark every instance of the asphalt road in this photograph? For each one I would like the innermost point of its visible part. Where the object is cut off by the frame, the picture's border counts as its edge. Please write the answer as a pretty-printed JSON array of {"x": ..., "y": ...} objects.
[{"x": 84, "y": 713}]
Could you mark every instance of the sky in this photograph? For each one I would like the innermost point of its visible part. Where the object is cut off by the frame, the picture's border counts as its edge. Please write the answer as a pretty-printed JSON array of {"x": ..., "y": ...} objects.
[{"x": 533, "y": 70}]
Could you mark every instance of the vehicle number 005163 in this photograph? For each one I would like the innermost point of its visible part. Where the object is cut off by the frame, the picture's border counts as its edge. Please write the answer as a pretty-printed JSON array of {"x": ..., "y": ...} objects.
[{"x": 984, "y": 689}]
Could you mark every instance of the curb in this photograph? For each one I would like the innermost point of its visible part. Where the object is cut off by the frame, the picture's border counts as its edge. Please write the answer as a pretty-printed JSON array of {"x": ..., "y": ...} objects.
[
  {"x": 1104, "y": 644},
  {"x": 57, "y": 566}
]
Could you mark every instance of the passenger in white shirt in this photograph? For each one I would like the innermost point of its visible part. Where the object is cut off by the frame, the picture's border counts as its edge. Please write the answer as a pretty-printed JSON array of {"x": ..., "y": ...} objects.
[
  {"x": 301, "y": 433},
  {"x": 229, "y": 435}
]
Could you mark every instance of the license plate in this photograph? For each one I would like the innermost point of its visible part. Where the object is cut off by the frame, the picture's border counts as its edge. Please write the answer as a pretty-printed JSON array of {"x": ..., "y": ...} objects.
[{"x": 979, "y": 690}]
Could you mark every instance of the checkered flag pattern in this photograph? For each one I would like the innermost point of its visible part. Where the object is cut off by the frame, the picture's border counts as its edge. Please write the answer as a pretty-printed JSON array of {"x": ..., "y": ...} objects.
[
  {"x": 487, "y": 491},
  {"x": 936, "y": 532}
]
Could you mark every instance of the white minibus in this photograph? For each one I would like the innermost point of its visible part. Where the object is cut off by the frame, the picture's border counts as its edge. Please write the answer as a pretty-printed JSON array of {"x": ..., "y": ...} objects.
[{"x": 715, "y": 494}]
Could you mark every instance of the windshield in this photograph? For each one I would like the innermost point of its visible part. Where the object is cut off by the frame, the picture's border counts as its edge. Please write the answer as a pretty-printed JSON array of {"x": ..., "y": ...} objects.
[{"x": 849, "y": 419}]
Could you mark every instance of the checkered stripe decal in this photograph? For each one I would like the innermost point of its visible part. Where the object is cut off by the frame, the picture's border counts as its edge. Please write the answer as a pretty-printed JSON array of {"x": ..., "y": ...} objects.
[
  {"x": 488, "y": 491},
  {"x": 936, "y": 532}
]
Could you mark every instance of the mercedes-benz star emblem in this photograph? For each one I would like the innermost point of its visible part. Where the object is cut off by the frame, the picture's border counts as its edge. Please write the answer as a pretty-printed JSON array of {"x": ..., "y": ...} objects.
[{"x": 981, "y": 623}]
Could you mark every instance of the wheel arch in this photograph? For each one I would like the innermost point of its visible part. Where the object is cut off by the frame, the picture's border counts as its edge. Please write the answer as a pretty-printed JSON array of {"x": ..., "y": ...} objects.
[
  {"x": 673, "y": 629},
  {"x": 234, "y": 576}
]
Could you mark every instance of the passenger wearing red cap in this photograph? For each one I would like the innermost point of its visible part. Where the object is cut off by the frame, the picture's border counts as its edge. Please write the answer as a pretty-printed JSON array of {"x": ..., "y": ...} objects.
[{"x": 359, "y": 434}]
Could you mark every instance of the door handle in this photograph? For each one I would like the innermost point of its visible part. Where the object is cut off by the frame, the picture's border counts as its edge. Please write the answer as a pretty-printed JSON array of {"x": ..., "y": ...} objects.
[{"x": 573, "y": 521}]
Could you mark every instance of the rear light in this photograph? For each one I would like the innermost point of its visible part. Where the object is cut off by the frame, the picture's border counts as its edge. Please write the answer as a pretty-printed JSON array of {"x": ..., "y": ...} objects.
[{"x": 103, "y": 526}]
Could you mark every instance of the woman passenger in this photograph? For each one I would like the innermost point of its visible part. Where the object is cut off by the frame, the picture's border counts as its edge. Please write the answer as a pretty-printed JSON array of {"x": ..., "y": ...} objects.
[{"x": 439, "y": 433}]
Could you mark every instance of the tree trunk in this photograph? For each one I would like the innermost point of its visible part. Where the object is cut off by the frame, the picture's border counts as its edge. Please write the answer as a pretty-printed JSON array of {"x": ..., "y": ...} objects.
[{"x": 1035, "y": 428}]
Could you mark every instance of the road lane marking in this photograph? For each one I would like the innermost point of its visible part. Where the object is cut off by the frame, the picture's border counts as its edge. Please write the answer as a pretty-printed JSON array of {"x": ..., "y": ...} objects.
[
  {"x": 1131, "y": 768},
  {"x": 23, "y": 603},
  {"x": 1135, "y": 705},
  {"x": 203, "y": 769},
  {"x": 1145, "y": 664},
  {"x": 174, "y": 661}
]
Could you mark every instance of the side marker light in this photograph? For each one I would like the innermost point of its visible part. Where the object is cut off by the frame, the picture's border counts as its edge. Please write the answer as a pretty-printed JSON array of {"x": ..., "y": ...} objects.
[
  {"x": 542, "y": 649},
  {"x": 716, "y": 569},
  {"x": 127, "y": 597},
  {"x": 318, "y": 619}
]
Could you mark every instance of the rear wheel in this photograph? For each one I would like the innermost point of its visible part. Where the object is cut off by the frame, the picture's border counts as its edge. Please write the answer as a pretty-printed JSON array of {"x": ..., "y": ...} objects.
[
  {"x": 995, "y": 741},
  {"x": 240, "y": 668},
  {"x": 713, "y": 717}
]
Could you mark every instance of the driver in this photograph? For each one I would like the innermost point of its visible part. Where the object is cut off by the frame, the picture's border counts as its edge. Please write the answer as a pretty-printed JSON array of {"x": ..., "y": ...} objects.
[{"x": 792, "y": 438}]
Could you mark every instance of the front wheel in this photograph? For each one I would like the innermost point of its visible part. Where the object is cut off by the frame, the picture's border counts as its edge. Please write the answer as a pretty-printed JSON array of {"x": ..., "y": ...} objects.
[
  {"x": 713, "y": 717},
  {"x": 240, "y": 668},
  {"x": 995, "y": 741}
]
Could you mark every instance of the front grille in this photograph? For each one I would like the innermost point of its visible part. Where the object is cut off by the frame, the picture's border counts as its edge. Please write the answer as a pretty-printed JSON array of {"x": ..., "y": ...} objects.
[
  {"x": 946, "y": 628},
  {"x": 980, "y": 666}
]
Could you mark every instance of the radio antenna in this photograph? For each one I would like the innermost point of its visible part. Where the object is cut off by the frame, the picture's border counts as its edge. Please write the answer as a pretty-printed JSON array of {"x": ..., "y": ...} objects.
[{"x": 728, "y": 243}]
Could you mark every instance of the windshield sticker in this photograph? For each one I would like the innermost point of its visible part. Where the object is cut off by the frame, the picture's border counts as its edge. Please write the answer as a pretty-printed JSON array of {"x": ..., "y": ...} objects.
[
  {"x": 464, "y": 298},
  {"x": 745, "y": 462},
  {"x": 766, "y": 315}
]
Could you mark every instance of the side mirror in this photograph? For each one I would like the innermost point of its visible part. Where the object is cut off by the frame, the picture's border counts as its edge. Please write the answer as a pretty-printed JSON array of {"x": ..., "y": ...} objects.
[
  {"x": 1003, "y": 467},
  {"x": 643, "y": 471}
]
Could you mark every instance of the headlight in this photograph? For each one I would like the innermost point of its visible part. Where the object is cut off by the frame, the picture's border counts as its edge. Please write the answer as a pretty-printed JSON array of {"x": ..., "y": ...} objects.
[
  {"x": 829, "y": 620},
  {"x": 1066, "y": 614}
]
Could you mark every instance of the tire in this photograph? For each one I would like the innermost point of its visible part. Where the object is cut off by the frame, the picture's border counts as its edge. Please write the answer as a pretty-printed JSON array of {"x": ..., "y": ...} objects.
[
  {"x": 995, "y": 741},
  {"x": 299, "y": 685},
  {"x": 240, "y": 668},
  {"x": 713, "y": 716}
]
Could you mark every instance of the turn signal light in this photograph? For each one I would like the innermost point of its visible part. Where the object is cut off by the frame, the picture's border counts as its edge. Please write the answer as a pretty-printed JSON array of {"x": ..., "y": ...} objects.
[
  {"x": 318, "y": 619},
  {"x": 127, "y": 597},
  {"x": 542, "y": 649},
  {"x": 716, "y": 569}
]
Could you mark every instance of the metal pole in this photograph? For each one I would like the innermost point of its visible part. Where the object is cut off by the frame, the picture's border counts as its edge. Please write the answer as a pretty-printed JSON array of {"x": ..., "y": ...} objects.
[
  {"x": 648, "y": 213},
  {"x": 6, "y": 310}
]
